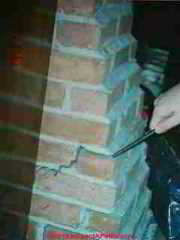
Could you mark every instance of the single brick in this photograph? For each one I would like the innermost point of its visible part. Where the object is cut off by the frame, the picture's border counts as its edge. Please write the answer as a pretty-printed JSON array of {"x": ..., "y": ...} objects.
[
  {"x": 55, "y": 211},
  {"x": 55, "y": 93},
  {"x": 20, "y": 84},
  {"x": 75, "y": 129},
  {"x": 58, "y": 153},
  {"x": 79, "y": 7},
  {"x": 88, "y": 101},
  {"x": 78, "y": 69},
  {"x": 20, "y": 115},
  {"x": 103, "y": 222},
  {"x": 95, "y": 165},
  {"x": 84, "y": 35},
  {"x": 77, "y": 188},
  {"x": 18, "y": 144}
]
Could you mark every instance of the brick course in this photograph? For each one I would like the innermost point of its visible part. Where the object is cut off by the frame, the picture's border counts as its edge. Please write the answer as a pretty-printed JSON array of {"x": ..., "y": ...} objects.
[
  {"x": 65, "y": 185},
  {"x": 77, "y": 69},
  {"x": 75, "y": 129}
]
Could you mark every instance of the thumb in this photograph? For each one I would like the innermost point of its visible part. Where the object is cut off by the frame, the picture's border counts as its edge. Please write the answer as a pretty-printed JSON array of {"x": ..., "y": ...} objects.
[{"x": 167, "y": 124}]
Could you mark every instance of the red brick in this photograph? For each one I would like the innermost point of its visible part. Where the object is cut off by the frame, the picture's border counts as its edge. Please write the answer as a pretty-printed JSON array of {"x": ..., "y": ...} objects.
[
  {"x": 94, "y": 165},
  {"x": 75, "y": 129},
  {"x": 84, "y": 35},
  {"x": 77, "y": 34},
  {"x": 88, "y": 101},
  {"x": 15, "y": 83},
  {"x": 79, "y": 7},
  {"x": 20, "y": 115},
  {"x": 103, "y": 222},
  {"x": 11, "y": 144},
  {"x": 55, "y": 211},
  {"x": 58, "y": 153},
  {"x": 78, "y": 69},
  {"x": 55, "y": 93},
  {"x": 77, "y": 188}
]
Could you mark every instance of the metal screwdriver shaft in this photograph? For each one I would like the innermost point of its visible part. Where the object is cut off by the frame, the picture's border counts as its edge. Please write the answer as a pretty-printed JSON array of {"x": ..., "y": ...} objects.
[{"x": 134, "y": 144}]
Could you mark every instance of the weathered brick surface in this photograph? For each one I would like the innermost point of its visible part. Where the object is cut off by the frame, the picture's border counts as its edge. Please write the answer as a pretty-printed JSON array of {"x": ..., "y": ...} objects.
[
  {"x": 79, "y": 7},
  {"x": 20, "y": 115},
  {"x": 103, "y": 222},
  {"x": 55, "y": 93},
  {"x": 83, "y": 7},
  {"x": 55, "y": 211},
  {"x": 88, "y": 101},
  {"x": 95, "y": 165},
  {"x": 58, "y": 153},
  {"x": 16, "y": 83},
  {"x": 78, "y": 69},
  {"x": 105, "y": 167},
  {"x": 75, "y": 129},
  {"x": 84, "y": 35},
  {"x": 75, "y": 187},
  {"x": 18, "y": 144}
]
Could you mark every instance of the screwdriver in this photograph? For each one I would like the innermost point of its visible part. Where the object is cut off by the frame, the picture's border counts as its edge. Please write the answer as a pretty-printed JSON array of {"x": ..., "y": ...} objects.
[{"x": 134, "y": 143}]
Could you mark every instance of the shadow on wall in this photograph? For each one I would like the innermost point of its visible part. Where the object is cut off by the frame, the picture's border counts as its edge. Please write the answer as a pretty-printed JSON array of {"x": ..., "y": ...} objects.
[{"x": 20, "y": 60}]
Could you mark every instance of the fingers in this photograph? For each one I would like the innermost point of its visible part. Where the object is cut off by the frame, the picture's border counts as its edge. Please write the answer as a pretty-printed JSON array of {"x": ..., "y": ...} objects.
[
  {"x": 160, "y": 118},
  {"x": 159, "y": 114},
  {"x": 167, "y": 124}
]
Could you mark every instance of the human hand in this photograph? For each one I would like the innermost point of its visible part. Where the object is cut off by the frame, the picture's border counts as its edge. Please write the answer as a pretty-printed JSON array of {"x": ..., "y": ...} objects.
[{"x": 166, "y": 114}]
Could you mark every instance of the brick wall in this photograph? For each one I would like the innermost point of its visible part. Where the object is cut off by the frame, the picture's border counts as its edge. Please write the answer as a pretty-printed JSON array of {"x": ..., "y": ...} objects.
[{"x": 76, "y": 101}]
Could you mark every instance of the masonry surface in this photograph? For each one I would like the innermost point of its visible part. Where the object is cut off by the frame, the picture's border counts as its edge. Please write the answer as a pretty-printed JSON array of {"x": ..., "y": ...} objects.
[{"x": 75, "y": 100}]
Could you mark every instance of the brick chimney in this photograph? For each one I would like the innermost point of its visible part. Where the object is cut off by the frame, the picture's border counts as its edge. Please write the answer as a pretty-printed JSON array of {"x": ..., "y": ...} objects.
[{"x": 75, "y": 101}]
